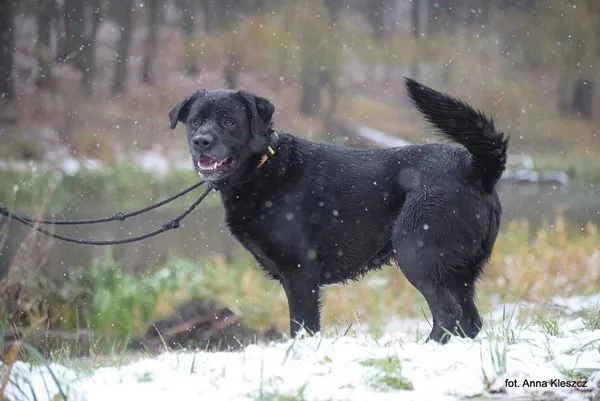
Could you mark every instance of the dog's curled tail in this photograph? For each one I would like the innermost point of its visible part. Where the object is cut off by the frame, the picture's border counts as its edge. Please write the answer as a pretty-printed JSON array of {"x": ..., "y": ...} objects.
[{"x": 463, "y": 124}]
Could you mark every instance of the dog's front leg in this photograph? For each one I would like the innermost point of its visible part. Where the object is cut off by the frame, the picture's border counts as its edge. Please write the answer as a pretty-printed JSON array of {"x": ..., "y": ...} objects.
[{"x": 301, "y": 285}]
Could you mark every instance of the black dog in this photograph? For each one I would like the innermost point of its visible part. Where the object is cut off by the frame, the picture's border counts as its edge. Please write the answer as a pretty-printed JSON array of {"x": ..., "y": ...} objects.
[{"x": 315, "y": 214}]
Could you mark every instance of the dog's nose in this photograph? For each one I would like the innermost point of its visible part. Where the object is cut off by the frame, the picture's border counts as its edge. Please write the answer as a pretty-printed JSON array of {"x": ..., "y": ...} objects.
[{"x": 202, "y": 142}]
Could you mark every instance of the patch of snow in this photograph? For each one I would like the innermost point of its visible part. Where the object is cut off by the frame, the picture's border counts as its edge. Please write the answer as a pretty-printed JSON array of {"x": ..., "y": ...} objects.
[
  {"x": 332, "y": 368},
  {"x": 381, "y": 137},
  {"x": 93, "y": 164},
  {"x": 523, "y": 175},
  {"x": 70, "y": 166},
  {"x": 577, "y": 303},
  {"x": 9, "y": 165},
  {"x": 519, "y": 166},
  {"x": 152, "y": 162},
  {"x": 520, "y": 160}
]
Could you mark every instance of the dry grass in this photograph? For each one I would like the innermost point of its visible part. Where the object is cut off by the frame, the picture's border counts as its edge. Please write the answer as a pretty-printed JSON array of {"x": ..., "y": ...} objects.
[
  {"x": 552, "y": 263},
  {"x": 24, "y": 270}
]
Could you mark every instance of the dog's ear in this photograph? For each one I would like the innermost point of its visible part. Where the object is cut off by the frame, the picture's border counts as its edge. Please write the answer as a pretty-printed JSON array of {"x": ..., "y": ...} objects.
[
  {"x": 261, "y": 112},
  {"x": 180, "y": 111}
]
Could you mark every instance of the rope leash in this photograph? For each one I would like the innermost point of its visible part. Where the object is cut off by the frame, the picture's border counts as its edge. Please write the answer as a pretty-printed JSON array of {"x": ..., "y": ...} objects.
[
  {"x": 117, "y": 216},
  {"x": 170, "y": 225}
]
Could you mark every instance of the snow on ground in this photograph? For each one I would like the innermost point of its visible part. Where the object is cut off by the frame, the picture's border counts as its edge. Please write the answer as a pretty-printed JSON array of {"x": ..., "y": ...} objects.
[{"x": 334, "y": 368}]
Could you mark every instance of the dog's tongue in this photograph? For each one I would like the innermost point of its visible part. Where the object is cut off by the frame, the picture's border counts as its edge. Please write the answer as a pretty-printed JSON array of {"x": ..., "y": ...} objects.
[{"x": 206, "y": 163}]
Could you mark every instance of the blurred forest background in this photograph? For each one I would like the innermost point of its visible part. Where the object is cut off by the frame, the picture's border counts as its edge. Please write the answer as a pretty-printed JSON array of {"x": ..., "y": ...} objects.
[
  {"x": 98, "y": 74},
  {"x": 93, "y": 81}
]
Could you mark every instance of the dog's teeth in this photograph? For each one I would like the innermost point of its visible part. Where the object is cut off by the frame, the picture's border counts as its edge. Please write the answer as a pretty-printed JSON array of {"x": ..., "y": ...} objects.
[{"x": 211, "y": 166}]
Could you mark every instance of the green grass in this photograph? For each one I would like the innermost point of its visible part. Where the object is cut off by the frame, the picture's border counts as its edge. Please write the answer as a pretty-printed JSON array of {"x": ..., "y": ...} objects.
[
  {"x": 549, "y": 324},
  {"x": 115, "y": 306},
  {"x": 388, "y": 374},
  {"x": 505, "y": 329},
  {"x": 591, "y": 319},
  {"x": 123, "y": 187},
  {"x": 582, "y": 167},
  {"x": 275, "y": 396}
]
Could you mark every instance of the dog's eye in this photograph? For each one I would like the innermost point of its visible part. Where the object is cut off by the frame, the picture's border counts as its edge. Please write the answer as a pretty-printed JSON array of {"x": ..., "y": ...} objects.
[
  {"x": 228, "y": 122},
  {"x": 196, "y": 122}
]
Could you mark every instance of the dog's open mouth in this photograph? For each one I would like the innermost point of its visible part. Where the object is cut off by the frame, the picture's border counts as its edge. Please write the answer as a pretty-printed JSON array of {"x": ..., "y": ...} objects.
[{"x": 206, "y": 163}]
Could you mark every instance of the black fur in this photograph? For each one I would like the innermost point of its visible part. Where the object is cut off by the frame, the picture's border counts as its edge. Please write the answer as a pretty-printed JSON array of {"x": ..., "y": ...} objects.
[
  {"x": 459, "y": 122},
  {"x": 316, "y": 214}
]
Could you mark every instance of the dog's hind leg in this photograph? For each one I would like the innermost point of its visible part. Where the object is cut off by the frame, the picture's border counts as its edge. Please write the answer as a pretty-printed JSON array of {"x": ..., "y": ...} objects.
[
  {"x": 427, "y": 265},
  {"x": 421, "y": 267},
  {"x": 471, "y": 322}
]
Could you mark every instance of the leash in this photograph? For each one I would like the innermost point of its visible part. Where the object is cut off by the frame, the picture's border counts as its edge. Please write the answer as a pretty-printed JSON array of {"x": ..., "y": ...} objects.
[
  {"x": 170, "y": 225},
  {"x": 119, "y": 216}
]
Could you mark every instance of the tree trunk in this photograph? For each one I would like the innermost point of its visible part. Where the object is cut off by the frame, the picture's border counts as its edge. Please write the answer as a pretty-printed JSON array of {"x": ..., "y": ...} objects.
[
  {"x": 328, "y": 80},
  {"x": 231, "y": 70},
  {"x": 44, "y": 54},
  {"x": 375, "y": 13},
  {"x": 74, "y": 31},
  {"x": 415, "y": 17},
  {"x": 334, "y": 7},
  {"x": 484, "y": 13},
  {"x": 7, "y": 46},
  {"x": 120, "y": 75},
  {"x": 310, "y": 102},
  {"x": 583, "y": 98},
  {"x": 153, "y": 14},
  {"x": 189, "y": 28},
  {"x": 208, "y": 15},
  {"x": 93, "y": 15},
  {"x": 438, "y": 16}
]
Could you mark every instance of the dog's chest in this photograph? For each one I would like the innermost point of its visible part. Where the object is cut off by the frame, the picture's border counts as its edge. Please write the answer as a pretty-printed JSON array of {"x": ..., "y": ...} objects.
[{"x": 267, "y": 229}]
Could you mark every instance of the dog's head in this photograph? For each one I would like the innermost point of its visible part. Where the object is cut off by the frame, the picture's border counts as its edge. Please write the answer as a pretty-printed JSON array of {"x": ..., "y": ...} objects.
[{"x": 227, "y": 130}]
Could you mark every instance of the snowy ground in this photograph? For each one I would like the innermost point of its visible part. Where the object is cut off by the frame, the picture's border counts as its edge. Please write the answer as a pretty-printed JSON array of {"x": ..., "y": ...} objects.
[{"x": 355, "y": 367}]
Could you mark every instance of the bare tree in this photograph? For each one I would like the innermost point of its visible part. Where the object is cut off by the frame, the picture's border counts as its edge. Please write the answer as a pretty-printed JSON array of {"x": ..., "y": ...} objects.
[
  {"x": 189, "y": 28},
  {"x": 7, "y": 46},
  {"x": 207, "y": 7},
  {"x": 334, "y": 7},
  {"x": 74, "y": 13},
  {"x": 120, "y": 74},
  {"x": 311, "y": 99},
  {"x": 219, "y": 13},
  {"x": 319, "y": 58},
  {"x": 231, "y": 70},
  {"x": 419, "y": 19},
  {"x": 483, "y": 14},
  {"x": 92, "y": 17},
  {"x": 45, "y": 11},
  {"x": 152, "y": 10},
  {"x": 375, "y": 13}
]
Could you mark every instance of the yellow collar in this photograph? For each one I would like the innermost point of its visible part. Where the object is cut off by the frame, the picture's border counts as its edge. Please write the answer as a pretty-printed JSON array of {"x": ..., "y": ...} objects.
[{"x": 264, "y": 157}]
